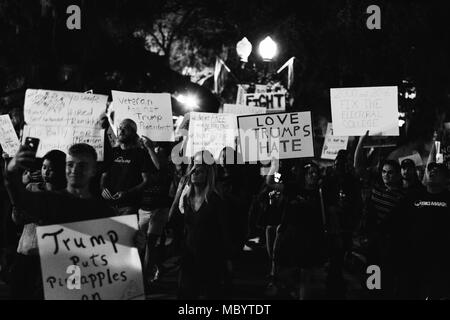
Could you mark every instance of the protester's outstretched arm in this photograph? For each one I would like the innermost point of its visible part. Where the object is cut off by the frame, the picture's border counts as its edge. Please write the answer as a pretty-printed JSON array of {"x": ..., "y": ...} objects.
[
  {"x": 148, "y": 144},
  {"x": 431, "y": 158},
  {"x": 176, "y": 200},
  {"x": 359, "y": 160},
  {"x": 24, "y": 159}
]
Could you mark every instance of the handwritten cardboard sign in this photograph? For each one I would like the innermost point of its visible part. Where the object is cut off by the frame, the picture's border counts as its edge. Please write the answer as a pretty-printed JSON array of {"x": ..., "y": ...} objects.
[
  {"x": 333, "y": 144},
  {"x": 58, "y": 108},
  {"x": 356, "y": 110},
  {"x": 61, "y": 138},
  {"x": 103, "y": 249},
  {"x": 210, "y": 131},
  {"x": 8, "y": 137},
  {"x": 275, "y": 136},
  {"x": 152, "y": 113},
  {"x": 272, "y": 101},
  {"x": 240, "y": 109}
]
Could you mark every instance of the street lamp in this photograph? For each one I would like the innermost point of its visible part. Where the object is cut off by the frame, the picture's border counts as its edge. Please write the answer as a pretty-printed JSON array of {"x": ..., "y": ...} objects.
[
  {"x": 243, "y": 49},
  {"x": 268, "y": 49}
]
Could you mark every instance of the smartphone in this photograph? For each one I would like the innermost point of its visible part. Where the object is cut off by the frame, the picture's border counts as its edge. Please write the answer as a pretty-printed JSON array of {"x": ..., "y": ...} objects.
[{"x": 32, "y": 143}]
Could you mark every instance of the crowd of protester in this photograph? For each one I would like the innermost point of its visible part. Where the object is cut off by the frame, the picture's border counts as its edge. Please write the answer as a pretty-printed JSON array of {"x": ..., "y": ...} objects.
[{"x": 309, "y": 217}]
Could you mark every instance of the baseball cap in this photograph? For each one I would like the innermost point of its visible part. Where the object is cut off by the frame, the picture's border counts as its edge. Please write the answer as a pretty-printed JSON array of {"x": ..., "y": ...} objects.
[{"x": 407, "y": 163}]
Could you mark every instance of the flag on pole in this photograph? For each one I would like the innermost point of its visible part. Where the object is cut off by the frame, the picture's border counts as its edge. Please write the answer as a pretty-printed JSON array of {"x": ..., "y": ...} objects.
[
  {"x": 220, "y": 74},
  {"x": 290, "y": 65}
]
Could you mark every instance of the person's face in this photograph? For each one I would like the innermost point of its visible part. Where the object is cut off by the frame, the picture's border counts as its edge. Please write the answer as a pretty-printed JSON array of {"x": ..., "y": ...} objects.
[
  {"x": 199, "y": 171},
  {"x": 312, "y": 176},
  {"x": 409, "y": 173},
  {"x": 389, "y": 176},
  {"x": 47, "y": 171},
  {"x": 125, "y": 133},
  {"x": 80, "y": 169}
]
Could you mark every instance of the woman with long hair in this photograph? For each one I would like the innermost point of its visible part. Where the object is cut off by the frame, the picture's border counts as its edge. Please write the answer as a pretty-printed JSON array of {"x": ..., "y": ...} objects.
[{"x": 207, "y": 245}]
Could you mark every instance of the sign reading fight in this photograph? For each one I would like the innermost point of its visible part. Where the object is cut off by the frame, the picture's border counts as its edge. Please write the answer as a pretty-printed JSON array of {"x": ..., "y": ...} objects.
[
  {"x": 279, "y": 136},
  {"x": 333, "y": 144},
  {"x": 356, "y": 110},
  {"x": 61, "y": 138},
  {"x": 210, "y": 131},
  {"x": 272, "y": 101},
  {"x": 109, "y": 266},
  {"x": 240, "y": 109},
  {"x": 8, "y": 138},
  {"x": 58, "y": 108},
  {"x": 152, "y": 113}
]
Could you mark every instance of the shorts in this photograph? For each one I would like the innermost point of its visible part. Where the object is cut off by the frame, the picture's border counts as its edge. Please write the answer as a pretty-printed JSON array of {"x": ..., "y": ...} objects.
[{"x": 153, "y": 221}]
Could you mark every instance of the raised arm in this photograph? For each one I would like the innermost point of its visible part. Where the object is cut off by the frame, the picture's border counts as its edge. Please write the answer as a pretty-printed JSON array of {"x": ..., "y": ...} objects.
[
  {"x": 360, "y": 160},
  {"x": 148, "y": 144}
]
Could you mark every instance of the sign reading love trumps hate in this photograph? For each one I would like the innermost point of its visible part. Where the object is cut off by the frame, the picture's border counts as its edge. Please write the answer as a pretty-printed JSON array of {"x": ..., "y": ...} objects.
[
  {"x": 275, "y": 136},
  {"x": 152, "y": 113},
  {"x": 8, "y": 137},
  {"x": 356, "y": 110},
  {"x": 109, "y": 265}
]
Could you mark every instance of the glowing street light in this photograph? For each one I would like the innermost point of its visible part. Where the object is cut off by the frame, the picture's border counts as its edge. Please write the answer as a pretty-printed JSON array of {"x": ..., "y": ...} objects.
[
  {"x": 243, "y": 49},
  {"x": 190, "y": 101},
  {"x": 268, "y": 49}
]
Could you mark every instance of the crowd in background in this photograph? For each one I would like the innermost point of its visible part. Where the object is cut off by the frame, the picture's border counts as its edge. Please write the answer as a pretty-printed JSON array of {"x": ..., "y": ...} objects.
[{"x": 309, "y": 216}]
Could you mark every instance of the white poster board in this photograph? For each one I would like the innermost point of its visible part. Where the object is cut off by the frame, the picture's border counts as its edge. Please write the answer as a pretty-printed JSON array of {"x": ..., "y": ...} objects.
[
  {"x": 59, "y": 108},
  {"x": 275, "y": 136},
  {"x": 152, "y": 113},
  {"x": 212, "y": 132},
  {"x": 239, "y": 109},
  {"x": 272, "y": 101},
  {"x": 356, "y": 110},
  {"x": 8, "y": 137},
  {"x": 332, "y": 144},
  {"x": 61, "y": 138},
  {"x": 103, "y": 249}
]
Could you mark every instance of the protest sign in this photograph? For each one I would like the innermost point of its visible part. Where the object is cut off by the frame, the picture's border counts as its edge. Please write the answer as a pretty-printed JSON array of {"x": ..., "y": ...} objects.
[
  {"x": 61, "y": 138},
  {"x": 240, "y": 109},
  {"x": 109, "y": 267},
  {"x": 58, "y": 108},
  {"x": 278, "y": 135},
  {"x": 356, "y": 110},
  {"x": 8, "y": 137},
  {"x": 333, "y": 144},
  {"x": 414, "y": 157},
  {"x": 272, "y": 101},
  {"x": 210, "y": 131},
  {"x": 152, "y": 113}
]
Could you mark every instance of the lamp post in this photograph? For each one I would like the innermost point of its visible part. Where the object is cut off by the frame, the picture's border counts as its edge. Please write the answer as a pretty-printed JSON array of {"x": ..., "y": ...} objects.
[
  {"x": 268, "y": 49},
  {"x": 243, "y": 49}
]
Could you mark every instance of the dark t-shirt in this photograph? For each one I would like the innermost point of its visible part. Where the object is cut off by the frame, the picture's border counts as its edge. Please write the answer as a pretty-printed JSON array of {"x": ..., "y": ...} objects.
[
  {"x": 423, "y": 240},
  {"x": 125, "y": 168},
  {"x": 62, "y": 207}
]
